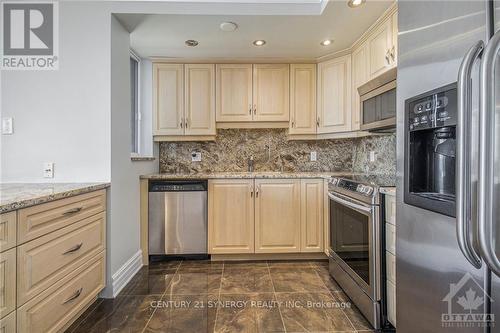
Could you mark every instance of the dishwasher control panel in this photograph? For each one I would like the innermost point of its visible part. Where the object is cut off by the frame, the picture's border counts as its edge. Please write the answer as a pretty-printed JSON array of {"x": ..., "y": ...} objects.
[{"x": 177, "y": 186}]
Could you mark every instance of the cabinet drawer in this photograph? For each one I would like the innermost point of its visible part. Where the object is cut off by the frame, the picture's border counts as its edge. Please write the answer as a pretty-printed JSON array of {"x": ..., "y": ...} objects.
[
  {"x": 8, "y": 324},
  {"x": 390, "y": 238},
  {"x": 39, "y": 220},
  {"x": 47, "y": 259},
  {"x": 391, "y": 303},
  {"x": 53, "y": 309},
  {"x": 390, "y": 209},
  {"x": 7, "y": 282},
  {"x": 390, "y": 266},
  {"x": 8, "y": 231}
]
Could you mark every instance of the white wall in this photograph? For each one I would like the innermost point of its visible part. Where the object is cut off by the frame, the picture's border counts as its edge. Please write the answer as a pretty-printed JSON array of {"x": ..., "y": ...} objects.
[
  {"x": 146, "y": 107},
  {"x": 62, "y": 116},
  {"x": 124, "y": 228}
]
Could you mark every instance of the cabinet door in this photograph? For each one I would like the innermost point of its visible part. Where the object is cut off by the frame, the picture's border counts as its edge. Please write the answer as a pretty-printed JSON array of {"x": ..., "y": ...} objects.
[
  {"x": 302, "y": 99},
  {"x": 199, "y": 99},
  {"x": 230, "y": 216},
  {"x": 394, "y": 49},
  {"x": 334, "y": 95},
  {"x": 277, "y": 215},
  {"x": 234, "y": 93},
  {"x": 271, "y": 92},
  {"x": 311, "y": 215},
  {"x": 7, "y": 282},
  {"x": 359, "y": 76},
  {"x": 168, "y": 99},
  {"x": 379, "y": 45}
]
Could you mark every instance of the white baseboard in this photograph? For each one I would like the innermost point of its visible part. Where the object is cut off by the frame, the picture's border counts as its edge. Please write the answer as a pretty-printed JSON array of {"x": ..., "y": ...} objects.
[{"x": 126, "y": 273}]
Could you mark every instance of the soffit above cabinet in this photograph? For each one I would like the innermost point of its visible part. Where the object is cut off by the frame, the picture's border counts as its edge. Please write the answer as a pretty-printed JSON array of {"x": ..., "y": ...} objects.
[{"x": 291, "y": 36}]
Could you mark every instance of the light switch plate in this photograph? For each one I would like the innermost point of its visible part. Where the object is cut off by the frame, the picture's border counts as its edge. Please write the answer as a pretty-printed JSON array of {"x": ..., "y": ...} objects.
[
  {"x": 195, "y": 156},
  {"x": 314, "y": 156},
  {"x": 48, "y": 170},
  {"x": 7, "y": 126},
  {"x": 373, "y": 157}
]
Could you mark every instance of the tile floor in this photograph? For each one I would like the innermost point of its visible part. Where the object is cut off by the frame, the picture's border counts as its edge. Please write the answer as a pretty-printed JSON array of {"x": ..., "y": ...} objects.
[{"x": 204, "y": 296}]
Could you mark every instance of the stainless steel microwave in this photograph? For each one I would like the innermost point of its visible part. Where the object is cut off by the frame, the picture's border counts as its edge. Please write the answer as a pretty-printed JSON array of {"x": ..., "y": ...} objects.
[{"x": 378, "y": 103}]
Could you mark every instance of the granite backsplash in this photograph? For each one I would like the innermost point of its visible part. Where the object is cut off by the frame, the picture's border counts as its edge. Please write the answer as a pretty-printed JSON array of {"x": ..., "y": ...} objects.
[{"x": 272, "y": 151}]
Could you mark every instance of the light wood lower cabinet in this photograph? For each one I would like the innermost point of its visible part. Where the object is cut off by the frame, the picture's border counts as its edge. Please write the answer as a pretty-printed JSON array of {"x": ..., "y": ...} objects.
[
  {"x": 8, "y": 231},
  {"x": 265, "y": 216},
  {"x": 7, "y": 282},
  {"x": 277, "y": 215},
  {"x": 47, "y": 259},
  {"x": 311, "y": 215},
  {"x": 8, "y": 323},
  {"x": 230, "y": 216},
  {"x": 53, "y": 309}
]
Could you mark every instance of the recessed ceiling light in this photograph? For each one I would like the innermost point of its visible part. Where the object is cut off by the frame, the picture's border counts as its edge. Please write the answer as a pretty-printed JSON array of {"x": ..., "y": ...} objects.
[
  {"x": 228, "y": 26},
  {"x": 326, "y": 42},
  {"x": 355, "y": 3},
  {"x": 259, "y": 42},
  {"x": 191, "y": 42}
]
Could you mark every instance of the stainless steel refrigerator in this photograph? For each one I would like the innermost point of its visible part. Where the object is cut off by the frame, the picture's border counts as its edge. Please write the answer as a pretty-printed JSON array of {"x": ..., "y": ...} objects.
[{"x": 448, "y": 268}]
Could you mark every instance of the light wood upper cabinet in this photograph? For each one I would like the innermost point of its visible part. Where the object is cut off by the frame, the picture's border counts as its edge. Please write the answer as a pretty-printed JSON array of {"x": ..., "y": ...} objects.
[
  {"x": 302, "y": 99},
  {"x": 277, "y": 215},
  {"x": 234, "y": 92},
  {"x": 359, "y": 76},
  {"x": 394, "y": 49},
  {"x": 271, "y": 92},
  {"x": 311, "y": 215},
  {"x": 334, "y": 95},
  {"x": 379, "y": 46},
  {"x": 199, "y": 102},
  {"x": 168, "y": 99},
  {"x": 230, "y": 216}
]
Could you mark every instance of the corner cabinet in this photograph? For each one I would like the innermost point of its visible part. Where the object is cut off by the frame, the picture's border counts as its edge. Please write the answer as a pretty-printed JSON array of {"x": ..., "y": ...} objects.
[
  {"x": 359, "y": 77},
  {"x": 302, "y": 99},
  {"x": 183, "y": 101},
  {"x": 334, "y": 95}
]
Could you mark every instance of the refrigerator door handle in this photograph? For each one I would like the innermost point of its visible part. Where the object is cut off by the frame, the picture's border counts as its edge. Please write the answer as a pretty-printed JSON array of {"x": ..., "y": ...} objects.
[
  {"x": 486, "y": 216},
  {"x": 464, "y": 134}
]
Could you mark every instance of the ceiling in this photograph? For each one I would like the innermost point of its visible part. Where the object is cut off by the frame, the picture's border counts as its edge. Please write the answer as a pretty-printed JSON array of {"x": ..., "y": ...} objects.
[{"x": 287, "y": 36}]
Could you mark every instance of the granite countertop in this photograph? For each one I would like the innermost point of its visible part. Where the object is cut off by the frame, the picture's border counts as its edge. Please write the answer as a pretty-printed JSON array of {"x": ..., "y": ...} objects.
[
  {"x": 15, "y": 196},
  {"x": 247, "y": 175},
  {"x": 388, "y": 190}
]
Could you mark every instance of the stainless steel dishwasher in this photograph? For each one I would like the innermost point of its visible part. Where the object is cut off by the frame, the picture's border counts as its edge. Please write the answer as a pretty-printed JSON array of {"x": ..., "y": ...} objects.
[{"x": 177, "y": 217}]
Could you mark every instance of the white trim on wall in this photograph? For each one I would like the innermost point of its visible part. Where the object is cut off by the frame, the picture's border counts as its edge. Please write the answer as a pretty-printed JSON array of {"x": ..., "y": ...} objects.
[{"x": 123, "y": 276}]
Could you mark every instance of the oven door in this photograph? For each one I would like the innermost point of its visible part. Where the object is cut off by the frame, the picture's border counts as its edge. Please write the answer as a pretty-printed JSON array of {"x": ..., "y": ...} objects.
[{"x": 355, "y": 241}]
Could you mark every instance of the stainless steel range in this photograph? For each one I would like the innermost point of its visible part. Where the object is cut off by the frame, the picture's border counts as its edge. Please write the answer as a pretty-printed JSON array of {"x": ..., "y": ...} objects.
[{"x": 356, "y": 242}]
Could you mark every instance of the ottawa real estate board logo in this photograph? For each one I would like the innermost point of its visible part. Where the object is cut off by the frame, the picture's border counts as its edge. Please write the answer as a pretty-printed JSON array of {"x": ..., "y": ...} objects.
[{"x": 30, "y": 39}]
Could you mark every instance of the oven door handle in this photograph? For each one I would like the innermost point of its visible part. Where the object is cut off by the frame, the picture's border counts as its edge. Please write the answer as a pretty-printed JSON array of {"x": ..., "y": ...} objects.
[{"x": 349, "y": 203}]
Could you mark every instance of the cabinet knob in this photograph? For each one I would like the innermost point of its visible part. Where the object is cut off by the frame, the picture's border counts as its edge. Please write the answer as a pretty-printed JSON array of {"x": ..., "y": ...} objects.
[
  {"x": 249, "y": 108},
  {"x": 317, "y": 122},
  {"x": 387, "y": 55},
  {"x": 254, "y": 109},
  {"x": 393, "y": 53}
]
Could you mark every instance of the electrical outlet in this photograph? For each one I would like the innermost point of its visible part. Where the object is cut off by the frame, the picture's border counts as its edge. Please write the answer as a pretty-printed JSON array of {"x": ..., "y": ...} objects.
[
  {"x": 7, "y": 126},
  {"x": 373, "y": 157},
  {"x": 195, "y": 156},
  {"x": 48, "y": 170},
  {"x": 314, "y": 156}
]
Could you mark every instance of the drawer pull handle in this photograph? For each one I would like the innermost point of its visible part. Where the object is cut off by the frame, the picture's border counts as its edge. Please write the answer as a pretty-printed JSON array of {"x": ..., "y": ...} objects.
[
  {"x": 72, "y": 211},
  {"x": 75, "y": 296},
  {"x": 74, "y": 249}
]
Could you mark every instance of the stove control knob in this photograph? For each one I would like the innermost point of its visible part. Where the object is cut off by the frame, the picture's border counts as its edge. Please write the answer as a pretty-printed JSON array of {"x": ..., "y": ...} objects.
[
  {"x": 368, "y": 190},
  {"x": 334, "y": 181},
  {"x": 360, "y": 188}
]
